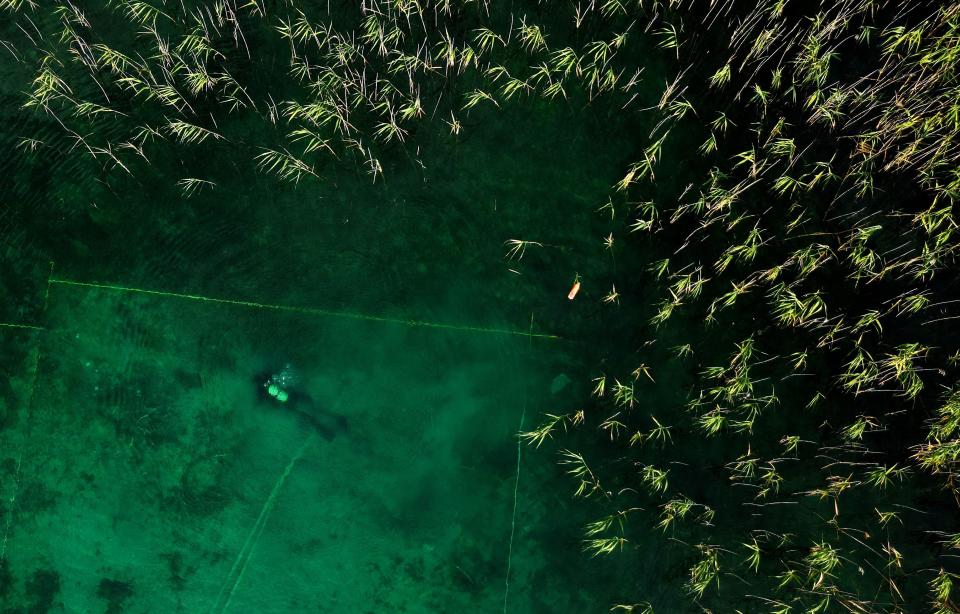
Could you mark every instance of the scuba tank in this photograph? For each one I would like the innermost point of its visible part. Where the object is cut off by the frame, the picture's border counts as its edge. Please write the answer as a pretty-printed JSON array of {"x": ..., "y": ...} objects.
[{"x": 281, "y": 384}]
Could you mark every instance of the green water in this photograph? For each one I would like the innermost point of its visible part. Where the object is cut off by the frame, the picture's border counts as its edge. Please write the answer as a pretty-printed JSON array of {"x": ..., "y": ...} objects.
[
  {"x": 143, "y": 472},
  {"x": 147, "y": 457},
  {"x": 750, "y": 406}
]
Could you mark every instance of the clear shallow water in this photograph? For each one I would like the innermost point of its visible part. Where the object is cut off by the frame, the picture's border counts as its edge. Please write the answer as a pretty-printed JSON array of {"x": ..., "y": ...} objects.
[
  {"x": 141, "y": 471},
  {"x": 147, "y": 452}
]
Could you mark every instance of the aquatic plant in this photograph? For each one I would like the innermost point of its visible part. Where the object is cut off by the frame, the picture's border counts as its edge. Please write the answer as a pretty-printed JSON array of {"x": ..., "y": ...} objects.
[{"x": 818, "y": 247}]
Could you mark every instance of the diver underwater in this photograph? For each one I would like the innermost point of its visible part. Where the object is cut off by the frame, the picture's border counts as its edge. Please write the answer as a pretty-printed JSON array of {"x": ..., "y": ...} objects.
[{"x": 283, "y": 389}]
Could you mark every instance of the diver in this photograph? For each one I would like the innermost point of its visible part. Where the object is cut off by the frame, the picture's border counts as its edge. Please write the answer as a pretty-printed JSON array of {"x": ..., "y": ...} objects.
[
  {"x": 284, "y": 387},
  {"x": 279, "y": 384}
]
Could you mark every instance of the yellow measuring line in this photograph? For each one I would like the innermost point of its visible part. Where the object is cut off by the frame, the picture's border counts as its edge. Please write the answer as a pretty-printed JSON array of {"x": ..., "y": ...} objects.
[
  {"x": 45, "y": 297},
  {"x": 305, "y": 310},
  {"x": 28, "y": 326}
]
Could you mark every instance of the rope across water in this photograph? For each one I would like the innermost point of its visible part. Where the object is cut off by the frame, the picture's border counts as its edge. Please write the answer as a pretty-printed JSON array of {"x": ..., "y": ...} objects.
[{"x": 306, "y": 310}]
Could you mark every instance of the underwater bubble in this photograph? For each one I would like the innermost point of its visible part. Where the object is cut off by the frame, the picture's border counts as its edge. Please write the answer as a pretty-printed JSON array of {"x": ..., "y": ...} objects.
[{"x": 288, "y": 376}]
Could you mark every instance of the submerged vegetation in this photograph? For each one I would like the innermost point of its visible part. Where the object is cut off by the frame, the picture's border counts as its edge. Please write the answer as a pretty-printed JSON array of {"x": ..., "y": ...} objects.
[{"x": 775, "y": 389}]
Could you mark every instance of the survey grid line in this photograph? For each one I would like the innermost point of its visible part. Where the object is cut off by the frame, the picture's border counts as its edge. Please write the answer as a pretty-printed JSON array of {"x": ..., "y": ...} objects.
[
  {"x": 26, "y": 326},
  {"x": 303, "y": 310}
]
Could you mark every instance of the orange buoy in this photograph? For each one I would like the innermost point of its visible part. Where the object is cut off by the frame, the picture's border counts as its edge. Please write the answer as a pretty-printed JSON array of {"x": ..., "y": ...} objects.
[{"x": 573, "y": 291}]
